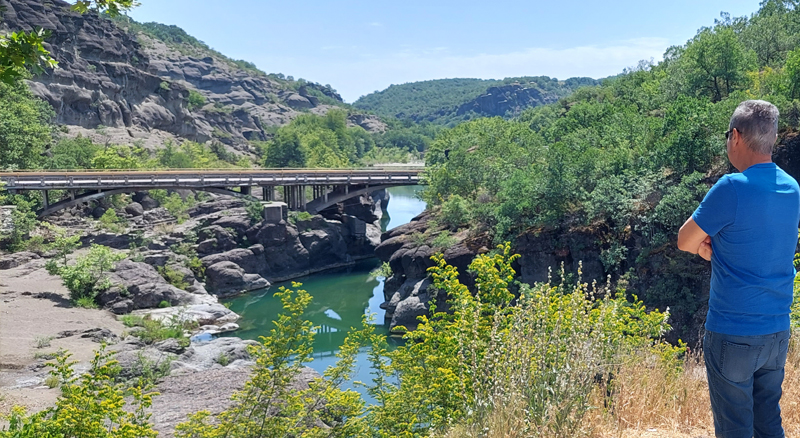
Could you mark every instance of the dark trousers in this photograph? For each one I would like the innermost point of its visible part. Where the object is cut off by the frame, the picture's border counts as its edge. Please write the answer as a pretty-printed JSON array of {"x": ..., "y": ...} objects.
[{"x": 745, "y": 374}]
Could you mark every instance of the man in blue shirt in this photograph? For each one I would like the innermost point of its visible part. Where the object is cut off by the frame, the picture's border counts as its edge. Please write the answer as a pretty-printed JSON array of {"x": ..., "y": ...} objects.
[{"x": 747, "y": 227}]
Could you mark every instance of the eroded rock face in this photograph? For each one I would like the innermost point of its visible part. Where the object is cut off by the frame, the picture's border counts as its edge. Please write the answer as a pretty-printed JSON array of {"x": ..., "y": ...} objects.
[{"x": 137, "y": 87}]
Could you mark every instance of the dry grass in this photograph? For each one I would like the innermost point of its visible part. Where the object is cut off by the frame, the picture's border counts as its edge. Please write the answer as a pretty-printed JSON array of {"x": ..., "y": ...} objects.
[{"x": 650, "y": 400}]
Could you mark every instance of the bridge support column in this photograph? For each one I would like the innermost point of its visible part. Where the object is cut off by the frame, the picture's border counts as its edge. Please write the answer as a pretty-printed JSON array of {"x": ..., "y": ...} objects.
[
  {"x": 267, "y": 192},
  {"x": 245, "y": 190},
  {"x": 46, "y": 199},
  {"x": 303, "y": 198},
  {"x": 72, "y": 194}
]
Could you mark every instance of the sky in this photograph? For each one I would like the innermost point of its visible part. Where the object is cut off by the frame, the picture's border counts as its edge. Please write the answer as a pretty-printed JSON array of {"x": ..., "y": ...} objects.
[{"x": 359, "y": 47}]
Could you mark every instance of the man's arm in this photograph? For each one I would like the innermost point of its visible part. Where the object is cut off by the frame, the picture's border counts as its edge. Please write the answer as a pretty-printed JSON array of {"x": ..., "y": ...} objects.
[{"x": 692, "y": 238}]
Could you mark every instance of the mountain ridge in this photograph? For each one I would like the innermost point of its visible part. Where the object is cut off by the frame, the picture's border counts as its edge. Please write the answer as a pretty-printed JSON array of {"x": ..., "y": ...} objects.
[{"x": 451, "y": 101}]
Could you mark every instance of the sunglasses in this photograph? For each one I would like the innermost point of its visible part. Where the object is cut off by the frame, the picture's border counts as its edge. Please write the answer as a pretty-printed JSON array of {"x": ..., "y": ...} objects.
[{"x": 728, "y": 132}]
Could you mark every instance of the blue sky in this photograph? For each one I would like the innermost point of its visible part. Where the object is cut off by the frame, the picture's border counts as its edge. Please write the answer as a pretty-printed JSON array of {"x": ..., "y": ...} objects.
[{"x": 363, "y": 46}]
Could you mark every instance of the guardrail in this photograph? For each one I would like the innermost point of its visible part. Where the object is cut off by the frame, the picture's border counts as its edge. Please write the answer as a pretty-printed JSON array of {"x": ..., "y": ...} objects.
[{"x": 51, "y": 180}]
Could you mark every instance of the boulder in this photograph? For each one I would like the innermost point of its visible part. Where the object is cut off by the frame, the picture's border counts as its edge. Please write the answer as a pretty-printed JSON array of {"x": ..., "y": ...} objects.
[
  {"x": 11, "y": 261},
  {"x": 243, "y": 257},
  {"x": 144, "y": 287},
  {"x": 226, "y": 278},
  {"x": 210, "y": 312},
  {"x": 407, "y": 312},
  {"x": 134, "y": 209}
]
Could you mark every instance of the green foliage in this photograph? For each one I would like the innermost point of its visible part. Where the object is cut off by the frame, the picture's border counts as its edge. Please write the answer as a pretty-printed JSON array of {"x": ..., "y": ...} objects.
[
  {"x": 384, "y": 270},
  {"x": 440, "y": 101},
  {"x": 443, "y": 241},
  {"x": 121, "y": 158},
  {"x": 23, "y": 220},
  {"x": 24, "y": 127},
  {"x": 295, "y": 216},
  {"x": 317, "y": 141},
  {"x": 147, "y": 372},
  {"x": 72, "y": 153},
  {"x": 715, "y": 63},
  {"x": 189, "y": 155},
  {"x": 454, "y": 212},
  {"x": 87, "y": 276},
  {"x": 110, "y": 221},
  {"x": 223, "y": 359},
  {"x": 22, "y": 52},
  {"x": 173, "y": 277},
  {"x": 544, "y": 349},
  {"x": 90, "y": 405},
  {"x": 267, "y": 407},
  {"x": 155, "y": 330},
  {"x": 255, "y": 210},
  {"x": 174, "y": 203},
  {"x": 195, "y": 100},
  {"x": 86, "y": 302}
]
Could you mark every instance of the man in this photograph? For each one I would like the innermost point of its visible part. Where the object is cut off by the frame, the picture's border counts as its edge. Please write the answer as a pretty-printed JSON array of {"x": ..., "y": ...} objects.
[{"x": 747, "y": 227}]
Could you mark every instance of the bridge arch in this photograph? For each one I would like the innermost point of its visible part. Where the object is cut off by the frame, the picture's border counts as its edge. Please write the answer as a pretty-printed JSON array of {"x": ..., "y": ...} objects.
[{"x": 94, "y": 196}]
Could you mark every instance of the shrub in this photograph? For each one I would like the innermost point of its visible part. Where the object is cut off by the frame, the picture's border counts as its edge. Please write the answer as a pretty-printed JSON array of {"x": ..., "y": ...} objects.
[
  {"x": 42, "y": 341},
  {"x": 384, "y": 270},
  {"x": 543, "y": 349},
  {"x": 155, "y": 330},
  {"x": 454, "y": 212},
  {"x": 255, "y": 210},
  {"x": 173, "y": 203},
  {"x": 443, "y": 241},
  {"x": 86, "y": 303},
  {"x": 111, "y": 222},
  {"x": 163, "y": 304},
  {"x": 52, "y": 381},
  {"x": 90, "y": 405},
  {"x": 87, "y": 277},
  {"x": 195, "y": 100},
  {"x": 223, "y": 359},
  {"x": 173, "y": 277}
]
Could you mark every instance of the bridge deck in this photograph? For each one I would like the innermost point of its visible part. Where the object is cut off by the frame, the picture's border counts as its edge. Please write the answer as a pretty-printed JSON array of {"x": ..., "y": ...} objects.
[{"x": 195, "y": 178}]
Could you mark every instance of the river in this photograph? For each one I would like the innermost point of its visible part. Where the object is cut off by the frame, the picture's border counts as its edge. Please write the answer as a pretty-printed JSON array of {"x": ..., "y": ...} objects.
[{"x": 340, "y": 297}]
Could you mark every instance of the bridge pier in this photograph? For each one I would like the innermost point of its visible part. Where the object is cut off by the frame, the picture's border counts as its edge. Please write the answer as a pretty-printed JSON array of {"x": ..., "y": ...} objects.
[
  {"x": 46, "y": 198},
  {"x": 245, "y": 190}
]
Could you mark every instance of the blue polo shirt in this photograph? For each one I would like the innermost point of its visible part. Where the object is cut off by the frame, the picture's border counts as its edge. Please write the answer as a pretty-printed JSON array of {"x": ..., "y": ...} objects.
[{"x": 752, "y": 218}]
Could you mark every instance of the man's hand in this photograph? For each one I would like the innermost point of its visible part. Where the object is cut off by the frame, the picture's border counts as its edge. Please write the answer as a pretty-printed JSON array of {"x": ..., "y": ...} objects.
[
  {"x": 692, "y": 238},
  {"x": 705, "y": 248}
]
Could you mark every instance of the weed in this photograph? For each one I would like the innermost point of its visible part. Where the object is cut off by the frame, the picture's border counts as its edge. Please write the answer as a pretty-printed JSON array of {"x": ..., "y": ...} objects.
[
  {"x": 42, "y": 341},
  {"x": 223, "y": 359},
  {"x": 52, "y": 381}
]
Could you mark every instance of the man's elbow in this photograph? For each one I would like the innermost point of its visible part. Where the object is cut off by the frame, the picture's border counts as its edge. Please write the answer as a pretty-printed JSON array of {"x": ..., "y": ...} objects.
[{"x": 684, "y": 244}]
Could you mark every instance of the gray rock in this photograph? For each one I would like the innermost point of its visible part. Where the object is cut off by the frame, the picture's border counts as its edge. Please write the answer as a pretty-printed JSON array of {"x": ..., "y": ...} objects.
[
  {"x": 134, "y": 209},
  {"x": 206, "y": 355},
  {"x": 226, "y": 278},
  {"x": 244, "y": 258},
  {"x": 11, "y": 261},
  {"x": 407, "y": 312},
  {"x": 144, "y": 287},
  {"x": 170, "y": 345}
]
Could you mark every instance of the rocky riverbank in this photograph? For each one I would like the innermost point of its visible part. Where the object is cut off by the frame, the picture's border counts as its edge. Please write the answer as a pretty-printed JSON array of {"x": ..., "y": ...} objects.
[{"x": 172, "y": 272}]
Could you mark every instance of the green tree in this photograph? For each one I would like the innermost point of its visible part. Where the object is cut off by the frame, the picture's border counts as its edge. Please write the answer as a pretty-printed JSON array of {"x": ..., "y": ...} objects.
[
  {"x": 87, "y": 276},
  {"x": 716, "y": 62},
  {"x": 24, "y": 127}
]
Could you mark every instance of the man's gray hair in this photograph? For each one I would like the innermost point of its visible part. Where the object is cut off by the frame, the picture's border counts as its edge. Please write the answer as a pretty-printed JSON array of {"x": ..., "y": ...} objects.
[{"x": 757, "y": 123}]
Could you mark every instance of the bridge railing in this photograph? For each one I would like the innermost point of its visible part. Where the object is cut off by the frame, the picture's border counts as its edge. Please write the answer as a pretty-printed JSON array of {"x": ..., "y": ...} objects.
[{"x": 50, "y": 180}]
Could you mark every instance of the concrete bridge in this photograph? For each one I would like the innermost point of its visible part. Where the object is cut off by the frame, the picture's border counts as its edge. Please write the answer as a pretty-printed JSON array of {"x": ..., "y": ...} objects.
[{"x": 311, "y": 190}]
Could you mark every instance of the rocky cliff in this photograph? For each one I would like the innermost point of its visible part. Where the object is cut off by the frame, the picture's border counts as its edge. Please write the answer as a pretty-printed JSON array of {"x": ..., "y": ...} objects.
[{"x": 134, "y": 87}]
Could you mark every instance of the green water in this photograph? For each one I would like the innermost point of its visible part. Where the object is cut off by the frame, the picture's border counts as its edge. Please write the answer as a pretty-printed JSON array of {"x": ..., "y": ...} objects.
[{"x": 341, "y": 297}]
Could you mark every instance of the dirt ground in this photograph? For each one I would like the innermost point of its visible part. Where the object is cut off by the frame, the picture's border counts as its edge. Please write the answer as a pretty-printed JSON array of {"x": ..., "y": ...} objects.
[{"x": 34, "y": 308}]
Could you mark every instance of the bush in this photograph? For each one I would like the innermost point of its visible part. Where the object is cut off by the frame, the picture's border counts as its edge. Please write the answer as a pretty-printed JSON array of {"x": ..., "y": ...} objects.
[
  {"x": 173, "y": 203},
  {"x": 195, "y": 100},
  {"x": 454, "y": 212},
  {"x": 111, "y": 222},
  {"x": 87, "y": 277},
  {"x": 544, "y": 350},
  {"x": 173, "y": 277},
  {"x": 91, "y": 404},
  {"x": 155, "y": 330}
]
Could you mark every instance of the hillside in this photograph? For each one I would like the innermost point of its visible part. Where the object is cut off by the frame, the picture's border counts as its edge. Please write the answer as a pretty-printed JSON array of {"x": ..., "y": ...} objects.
[
  {"x": 121, "y": 82},
  {"x": 450, "y": 101}
]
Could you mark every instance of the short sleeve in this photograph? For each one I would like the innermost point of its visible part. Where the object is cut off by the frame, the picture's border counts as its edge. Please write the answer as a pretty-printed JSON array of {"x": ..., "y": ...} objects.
[{"x": 718, "y": 208}]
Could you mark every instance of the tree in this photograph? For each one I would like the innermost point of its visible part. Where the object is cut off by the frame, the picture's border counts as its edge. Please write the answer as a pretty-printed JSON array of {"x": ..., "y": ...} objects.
[
  {"x": 716, "y": 62},
  {"x": 23, "y": 53},
  {"x": 24, "y": 127}
]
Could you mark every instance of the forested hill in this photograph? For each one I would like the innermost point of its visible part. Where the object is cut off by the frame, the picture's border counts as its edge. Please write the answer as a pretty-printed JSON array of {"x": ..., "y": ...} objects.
[{"x": 450, "y": 101}]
